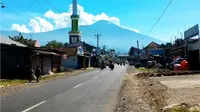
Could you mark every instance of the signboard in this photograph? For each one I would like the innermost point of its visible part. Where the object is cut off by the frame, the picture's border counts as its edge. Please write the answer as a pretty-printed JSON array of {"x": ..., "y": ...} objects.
[
  {"x": 80, "y": 51},
  {"x": 157, "y": 52},
  {"x": 194, "y": 31},
  {"x": 64, "y": 56}
]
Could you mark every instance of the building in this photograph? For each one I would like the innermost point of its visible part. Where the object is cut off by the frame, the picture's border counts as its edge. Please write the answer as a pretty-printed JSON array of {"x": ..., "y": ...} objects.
[
  {"x": 189, "y": 47},
  {"x": 36, "y": 43},
  {"x": 154, "y": 49},
  {"x": 84, "y": 56},
  {"x": 15, "y": 58},
  {"x": 48, "y": 60},
  {"x": 74, "y": 34},
  {"x": 72, "y": 60},
  {"x": 193, "y": 48}
]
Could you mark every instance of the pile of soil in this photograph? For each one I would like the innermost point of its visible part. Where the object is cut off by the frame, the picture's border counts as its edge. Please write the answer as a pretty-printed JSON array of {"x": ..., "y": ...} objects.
[{"x": 138, "y": 93}]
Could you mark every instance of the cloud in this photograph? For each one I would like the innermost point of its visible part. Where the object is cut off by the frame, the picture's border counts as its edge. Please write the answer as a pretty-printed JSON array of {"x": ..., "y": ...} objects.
[
  {"x": 38, "y": 25},
  {"x": 62, "y": 20},
  {"x": 132, "y": 29},
  {"x": 45, "y": 25},
  {"x": 35, "y": 25},
  {"x": 20, "y": 28}
]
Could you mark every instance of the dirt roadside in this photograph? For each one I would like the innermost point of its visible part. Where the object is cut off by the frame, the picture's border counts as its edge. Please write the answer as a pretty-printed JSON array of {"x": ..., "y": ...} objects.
[
  {"x": 140, "y": 93},
  {"x": 9, "y": 90},
  {"x": 182, "y": 90}
]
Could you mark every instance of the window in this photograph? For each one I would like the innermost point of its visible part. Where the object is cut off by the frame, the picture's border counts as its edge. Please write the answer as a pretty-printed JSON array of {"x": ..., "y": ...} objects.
[{"x": 74, "y": 39}]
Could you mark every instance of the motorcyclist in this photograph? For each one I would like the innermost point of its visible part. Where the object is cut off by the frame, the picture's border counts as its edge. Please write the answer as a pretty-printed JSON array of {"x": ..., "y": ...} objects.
[
  {"x": 102, "y": 65},
  {"x": 111, "y": 65}
]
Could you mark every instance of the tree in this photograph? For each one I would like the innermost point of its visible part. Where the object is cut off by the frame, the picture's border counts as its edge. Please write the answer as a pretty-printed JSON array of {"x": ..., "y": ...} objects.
[
  {"x": 168, "y": 45},
  {"x": 103, "y": 50},
  {"x": 131, "y": 51},
  {"x": 179, "y": 42},
  {"x": 20, "y": 38},
  {"x": 162, "y": 45},
  {"x": 54, "y": 44}
]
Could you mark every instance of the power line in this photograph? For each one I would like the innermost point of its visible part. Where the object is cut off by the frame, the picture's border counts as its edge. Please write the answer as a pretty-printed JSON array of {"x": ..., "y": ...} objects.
[
  {"x": 6, "y": 7},
  {"x": 86, "y": 28},
  {"x": 2, "y": 5},
  {"x": 41, "y": 7},
  {"x": 52, "y": 6},
  {"x": 33, "y": 1},
  {"x": 13, "y": 11},
  {"x": 160, "y": 17}
]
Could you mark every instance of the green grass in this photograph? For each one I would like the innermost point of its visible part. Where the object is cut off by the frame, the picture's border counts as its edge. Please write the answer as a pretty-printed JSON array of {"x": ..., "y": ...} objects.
[
  {"x": 182, "y": 109},
  {"x": 7, "y": 82},
  {"x": 142, "y": 69},
  {"x": 52, "y": 76}
]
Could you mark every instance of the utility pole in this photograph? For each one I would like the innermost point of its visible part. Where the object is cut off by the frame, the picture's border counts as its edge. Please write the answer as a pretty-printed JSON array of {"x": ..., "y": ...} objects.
[
  {"x": 138, "y": 49},
  {"x": 185, "y": 26},
  {"x": 178, "y": 34},
  {"x": 97, "y": 35}
]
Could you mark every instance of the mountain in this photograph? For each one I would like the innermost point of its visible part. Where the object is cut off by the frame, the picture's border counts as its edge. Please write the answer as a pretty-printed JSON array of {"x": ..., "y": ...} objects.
[{"x": 113, "y": 36}]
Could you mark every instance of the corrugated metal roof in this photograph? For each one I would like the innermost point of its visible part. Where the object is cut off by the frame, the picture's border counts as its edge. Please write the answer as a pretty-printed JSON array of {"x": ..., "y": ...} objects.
[
  {"x": 8, "y": 41},
  {"x": 46, "y": 52},
  {"x": 153, "y": 45}
]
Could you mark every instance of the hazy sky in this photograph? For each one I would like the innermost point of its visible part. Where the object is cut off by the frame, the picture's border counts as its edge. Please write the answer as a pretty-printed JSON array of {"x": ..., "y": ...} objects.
[{"x": 136, "y": 15}]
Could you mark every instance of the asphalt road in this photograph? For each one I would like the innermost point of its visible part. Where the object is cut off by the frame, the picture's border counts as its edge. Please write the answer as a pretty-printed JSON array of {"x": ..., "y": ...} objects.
[{"x": 94, "y": 91}]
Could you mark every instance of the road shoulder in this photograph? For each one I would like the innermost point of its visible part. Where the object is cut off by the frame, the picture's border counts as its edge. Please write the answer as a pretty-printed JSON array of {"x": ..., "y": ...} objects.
[{"x": 24, "y": 84}]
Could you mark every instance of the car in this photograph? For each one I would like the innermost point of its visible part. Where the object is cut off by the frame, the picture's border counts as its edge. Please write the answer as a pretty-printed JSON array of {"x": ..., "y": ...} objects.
[{"x": 177, "y": 61}]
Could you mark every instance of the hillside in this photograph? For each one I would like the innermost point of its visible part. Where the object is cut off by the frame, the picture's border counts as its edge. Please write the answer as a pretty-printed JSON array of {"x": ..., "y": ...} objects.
[{"x": 113, "y": 36}]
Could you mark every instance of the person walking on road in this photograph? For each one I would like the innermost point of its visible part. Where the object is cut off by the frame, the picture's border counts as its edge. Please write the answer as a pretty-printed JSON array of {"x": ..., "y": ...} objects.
[
  {"x": 38, "y": 73},
  {"x": 30, "y": 73}
]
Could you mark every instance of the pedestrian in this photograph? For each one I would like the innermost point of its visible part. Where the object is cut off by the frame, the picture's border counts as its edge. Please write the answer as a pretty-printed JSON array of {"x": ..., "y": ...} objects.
[
  {"x": 37, "y": 73},
  {"x": 30, "y": 73}
]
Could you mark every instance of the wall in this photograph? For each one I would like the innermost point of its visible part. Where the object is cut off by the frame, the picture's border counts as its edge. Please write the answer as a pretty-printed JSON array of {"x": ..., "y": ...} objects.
[
  {"x": 35, "y": 61},
  {"x": 70, "y": 62},
  {"x": 14, "y": 61},
  {"x": 195, "y": 46},
  {"x": 46, "y": 65},
  {"x": 56, "y": 61},
  {"x": 77, "y": 44}
]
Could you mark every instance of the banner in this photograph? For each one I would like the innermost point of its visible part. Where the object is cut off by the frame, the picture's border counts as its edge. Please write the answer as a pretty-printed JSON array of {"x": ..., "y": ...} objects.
[{"x": 80, "y": 51}]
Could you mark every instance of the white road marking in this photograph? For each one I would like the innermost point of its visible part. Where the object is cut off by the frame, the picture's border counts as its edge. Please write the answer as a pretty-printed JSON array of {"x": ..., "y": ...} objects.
[
  {"x": 78, "y": 85},
  {"x": 34, "y": 106},
  {"x": 95, "y": 77}
]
